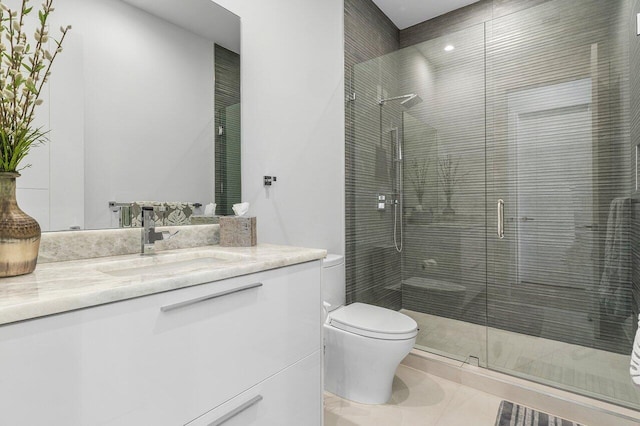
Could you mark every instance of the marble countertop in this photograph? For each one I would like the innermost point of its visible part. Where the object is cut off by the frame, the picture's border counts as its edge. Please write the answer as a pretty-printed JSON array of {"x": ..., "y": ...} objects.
[{"x": 65, "y": 286}]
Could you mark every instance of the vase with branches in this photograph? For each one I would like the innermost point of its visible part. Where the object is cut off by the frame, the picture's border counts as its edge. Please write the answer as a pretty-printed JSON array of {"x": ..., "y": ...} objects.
[
  {"x": 448, "y": 172},
  {"x": 25, "y": 67}
]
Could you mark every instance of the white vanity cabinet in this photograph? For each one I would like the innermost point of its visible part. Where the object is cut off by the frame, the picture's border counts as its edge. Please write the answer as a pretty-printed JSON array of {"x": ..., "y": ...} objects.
[
  {"x": 187, "y": 355},
  {"x": 288, "y": 398}
]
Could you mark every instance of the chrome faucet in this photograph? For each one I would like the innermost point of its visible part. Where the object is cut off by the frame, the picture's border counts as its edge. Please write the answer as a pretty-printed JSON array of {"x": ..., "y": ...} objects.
[{"x": 149, "y": 234}]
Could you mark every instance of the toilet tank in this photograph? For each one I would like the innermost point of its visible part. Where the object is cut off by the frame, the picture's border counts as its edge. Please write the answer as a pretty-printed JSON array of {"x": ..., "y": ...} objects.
[{"x": 333, "y": 281}]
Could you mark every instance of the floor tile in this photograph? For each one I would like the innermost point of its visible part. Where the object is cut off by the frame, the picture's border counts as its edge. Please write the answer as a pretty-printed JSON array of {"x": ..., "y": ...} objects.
[
  {"x": 470, "y": 407},
  {"x": 418, "y": 399}
]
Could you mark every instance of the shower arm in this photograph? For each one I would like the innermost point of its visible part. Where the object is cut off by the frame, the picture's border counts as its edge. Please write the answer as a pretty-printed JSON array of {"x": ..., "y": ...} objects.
[{"x": 395, "y": 98}]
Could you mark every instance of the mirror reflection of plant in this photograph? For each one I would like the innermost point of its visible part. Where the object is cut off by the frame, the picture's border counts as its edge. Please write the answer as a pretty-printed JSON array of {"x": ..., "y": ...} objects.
[
  {"x": 419, "y": 177},
  {"x": 24, "y": 70},
  {"x": 449, "y": 176}
]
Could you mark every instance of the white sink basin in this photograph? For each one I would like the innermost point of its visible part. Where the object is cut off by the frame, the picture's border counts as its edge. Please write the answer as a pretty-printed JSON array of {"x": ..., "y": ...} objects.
[{"x": 169, "y": 264}]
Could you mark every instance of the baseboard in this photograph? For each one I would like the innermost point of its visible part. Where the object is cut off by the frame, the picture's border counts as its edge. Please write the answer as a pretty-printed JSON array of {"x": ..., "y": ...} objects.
[{"x": 565, "y": 404}]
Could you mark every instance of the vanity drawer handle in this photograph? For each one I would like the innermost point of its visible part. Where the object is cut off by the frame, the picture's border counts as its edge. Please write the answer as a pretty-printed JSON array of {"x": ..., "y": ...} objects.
[
  {"x": 179, "y": 305},
  {"x": 239, "y": 409}
]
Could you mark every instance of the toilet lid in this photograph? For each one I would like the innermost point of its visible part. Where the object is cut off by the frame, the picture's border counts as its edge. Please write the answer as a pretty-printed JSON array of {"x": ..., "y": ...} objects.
[{"x": 374, "y": 321}]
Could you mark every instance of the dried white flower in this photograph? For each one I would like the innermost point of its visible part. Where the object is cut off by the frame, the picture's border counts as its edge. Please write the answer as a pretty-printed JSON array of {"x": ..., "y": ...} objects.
[{"x": 25, "y": 67}]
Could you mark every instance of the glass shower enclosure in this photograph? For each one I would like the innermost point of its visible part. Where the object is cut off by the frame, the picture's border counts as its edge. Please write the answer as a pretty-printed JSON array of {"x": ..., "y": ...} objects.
[{"x": 518, "y": 194}]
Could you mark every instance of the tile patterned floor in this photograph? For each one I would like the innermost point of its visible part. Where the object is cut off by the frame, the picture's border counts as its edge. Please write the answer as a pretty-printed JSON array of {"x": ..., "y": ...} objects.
[{"x": 419, "y": 399}]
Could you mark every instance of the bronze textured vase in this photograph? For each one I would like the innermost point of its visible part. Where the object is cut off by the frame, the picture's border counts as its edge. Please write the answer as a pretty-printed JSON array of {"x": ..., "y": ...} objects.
[{"x": 19, "y": 232}]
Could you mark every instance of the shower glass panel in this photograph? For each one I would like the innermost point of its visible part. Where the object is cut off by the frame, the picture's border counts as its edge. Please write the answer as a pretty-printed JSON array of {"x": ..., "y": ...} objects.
[
  {"x": 439, "y": 275},
  {"x": 374, "y": 268},
  {"x": 558, "y": 154}
]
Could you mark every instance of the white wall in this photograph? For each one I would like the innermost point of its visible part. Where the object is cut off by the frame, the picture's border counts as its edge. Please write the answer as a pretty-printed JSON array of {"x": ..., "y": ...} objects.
[
  {"x": 54, "y": 196},
  {"x": 292, "y": 57}
]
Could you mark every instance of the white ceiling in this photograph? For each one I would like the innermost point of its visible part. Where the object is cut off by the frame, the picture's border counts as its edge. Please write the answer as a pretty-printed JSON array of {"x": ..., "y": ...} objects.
[
  {"x": 202, "y": 17},
  {"x": 405, "y": 13}
]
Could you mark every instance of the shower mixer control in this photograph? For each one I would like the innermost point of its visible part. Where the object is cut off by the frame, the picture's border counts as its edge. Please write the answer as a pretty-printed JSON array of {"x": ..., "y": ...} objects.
[{"x": 382, "y": 202}]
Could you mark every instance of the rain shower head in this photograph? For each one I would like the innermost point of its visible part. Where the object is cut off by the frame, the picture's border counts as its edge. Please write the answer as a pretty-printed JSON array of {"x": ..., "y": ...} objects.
[
  {"x": 408, "y": 101},
  {"x": 411, "y": 101}
]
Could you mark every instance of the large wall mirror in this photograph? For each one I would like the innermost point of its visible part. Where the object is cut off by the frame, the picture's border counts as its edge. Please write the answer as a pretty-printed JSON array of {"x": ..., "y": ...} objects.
[{"x": 142, "y": 106}]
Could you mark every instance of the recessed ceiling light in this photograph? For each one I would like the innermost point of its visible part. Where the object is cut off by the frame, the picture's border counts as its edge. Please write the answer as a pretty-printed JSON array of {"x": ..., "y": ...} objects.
[{"x": 448, "y": 48}]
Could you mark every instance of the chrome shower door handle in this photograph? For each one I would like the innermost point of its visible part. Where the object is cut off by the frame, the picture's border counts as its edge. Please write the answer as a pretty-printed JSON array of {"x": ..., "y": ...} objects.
[{"x": 501, "y": 218}]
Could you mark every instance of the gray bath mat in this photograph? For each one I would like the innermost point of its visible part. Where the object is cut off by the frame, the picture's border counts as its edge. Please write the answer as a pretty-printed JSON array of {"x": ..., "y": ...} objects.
[{"x": 512, "y": 414}]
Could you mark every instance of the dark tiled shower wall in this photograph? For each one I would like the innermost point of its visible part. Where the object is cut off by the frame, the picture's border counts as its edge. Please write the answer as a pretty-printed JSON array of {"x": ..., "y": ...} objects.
[
  {"x": 543, "y": 63},
  {"x": 634, "y": 83},
  {"x": 227, "y": 146},
  {"x": 372, "y": 264},
  {"x": 465, "y": 17},
  {"x": 369, "y": 34}
]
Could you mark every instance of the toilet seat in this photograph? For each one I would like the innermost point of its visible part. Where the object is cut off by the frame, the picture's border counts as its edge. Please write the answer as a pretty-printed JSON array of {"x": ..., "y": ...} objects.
[{"x": 373, "y": 321}]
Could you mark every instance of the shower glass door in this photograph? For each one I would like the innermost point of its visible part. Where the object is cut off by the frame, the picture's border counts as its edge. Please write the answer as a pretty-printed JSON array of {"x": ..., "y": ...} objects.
[{"x": 559, "y": 275}]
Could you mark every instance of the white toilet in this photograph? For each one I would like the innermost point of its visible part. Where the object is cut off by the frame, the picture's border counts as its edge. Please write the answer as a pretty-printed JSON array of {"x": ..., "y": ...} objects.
[{"x": 364, "y": 344}]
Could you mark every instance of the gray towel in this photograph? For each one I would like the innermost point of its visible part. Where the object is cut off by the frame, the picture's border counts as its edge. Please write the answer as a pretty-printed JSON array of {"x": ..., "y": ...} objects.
[{"x": 615, "y": 285}]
